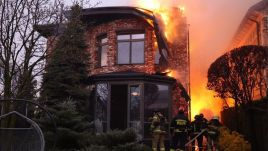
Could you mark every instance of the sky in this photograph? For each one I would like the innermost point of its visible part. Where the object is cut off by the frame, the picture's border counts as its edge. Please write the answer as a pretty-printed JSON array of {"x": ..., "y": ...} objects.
[{"x": 212, "y": 26}]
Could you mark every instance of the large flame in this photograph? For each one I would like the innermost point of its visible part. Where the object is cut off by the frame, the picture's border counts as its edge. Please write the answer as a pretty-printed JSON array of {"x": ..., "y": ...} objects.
[
  {"x": 203, "y": 101},
  {"x": 164, "y": 13}
]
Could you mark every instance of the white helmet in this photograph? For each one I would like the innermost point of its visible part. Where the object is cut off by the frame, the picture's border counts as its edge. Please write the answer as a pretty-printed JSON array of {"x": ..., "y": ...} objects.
[{"x": 215, "y": 118}]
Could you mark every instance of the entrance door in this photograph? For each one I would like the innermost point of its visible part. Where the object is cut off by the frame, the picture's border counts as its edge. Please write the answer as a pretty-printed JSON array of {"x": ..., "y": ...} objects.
[{"x": 118, "y": 114}]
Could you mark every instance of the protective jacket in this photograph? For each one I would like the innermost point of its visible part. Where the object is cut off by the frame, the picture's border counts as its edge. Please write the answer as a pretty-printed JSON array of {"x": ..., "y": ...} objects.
[
  {"x": 179, "y": 124},
  {"x": 158, "y": 123}
]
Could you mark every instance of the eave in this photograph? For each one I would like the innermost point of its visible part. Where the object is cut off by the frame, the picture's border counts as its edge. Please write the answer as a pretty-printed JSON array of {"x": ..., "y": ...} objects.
[
  {"x": 252, "y": 14},
  {"x": 130, "y": 76}
]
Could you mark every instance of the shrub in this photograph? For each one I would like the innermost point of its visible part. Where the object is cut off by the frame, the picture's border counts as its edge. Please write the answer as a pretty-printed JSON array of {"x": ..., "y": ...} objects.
[
  {"x": 116, "y": 141},
  {"x": 232, "y": 141}
]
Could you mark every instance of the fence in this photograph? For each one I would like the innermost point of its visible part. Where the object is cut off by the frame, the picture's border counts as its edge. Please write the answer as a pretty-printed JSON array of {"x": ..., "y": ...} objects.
[
  {"x": 252, "y": 122},
  {"x": 18, "y": 132}
]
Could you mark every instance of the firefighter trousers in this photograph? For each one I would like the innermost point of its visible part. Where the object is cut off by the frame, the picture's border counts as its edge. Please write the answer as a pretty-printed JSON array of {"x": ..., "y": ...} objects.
[
  {"x": 179, "y": 140},
  {"x": 158, "y": 138}
]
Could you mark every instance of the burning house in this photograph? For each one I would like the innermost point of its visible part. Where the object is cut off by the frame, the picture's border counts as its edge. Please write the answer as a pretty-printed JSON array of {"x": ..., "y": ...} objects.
[{"x": 134, "y": 69}]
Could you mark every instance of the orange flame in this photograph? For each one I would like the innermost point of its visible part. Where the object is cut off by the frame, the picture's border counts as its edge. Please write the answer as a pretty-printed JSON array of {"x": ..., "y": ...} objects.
[
  {"x": 163, "y": 13},
  {"x": 202, "y": 99}
]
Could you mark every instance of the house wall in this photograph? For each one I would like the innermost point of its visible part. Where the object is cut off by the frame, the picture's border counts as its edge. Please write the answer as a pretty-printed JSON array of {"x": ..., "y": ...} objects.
[
  {"x": 178, "y": 60},
  {"x": 110, "y": 29}
]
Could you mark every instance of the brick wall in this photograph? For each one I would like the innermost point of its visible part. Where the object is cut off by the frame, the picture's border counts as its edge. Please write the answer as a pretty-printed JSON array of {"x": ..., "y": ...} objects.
[{"x": 110, "y": 29}]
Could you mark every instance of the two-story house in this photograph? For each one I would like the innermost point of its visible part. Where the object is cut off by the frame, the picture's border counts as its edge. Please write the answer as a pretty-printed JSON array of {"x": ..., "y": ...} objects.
[{"x": 130, "y": 60}]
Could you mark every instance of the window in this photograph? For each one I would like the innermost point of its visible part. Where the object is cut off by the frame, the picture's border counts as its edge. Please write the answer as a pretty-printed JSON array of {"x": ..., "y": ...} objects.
[
  {"x": 130, "y": 48},
  {"x": 134, "y": 109},
  {"x": 265, "y": 23},
  {"x": 101, "y": 107},
  {"x": 156, "y": 97},
  {"x": 157, "y": 56},
  {"x": 102, "y": 51}
]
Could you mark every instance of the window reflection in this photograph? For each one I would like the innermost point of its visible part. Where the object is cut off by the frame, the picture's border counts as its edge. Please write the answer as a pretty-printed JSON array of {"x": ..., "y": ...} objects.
[
  {"x": 103, "y": 49},
  {"x": 137, "y": 53},
  {"x": 156, "y": 97},
  {"x": 130, "y": 48},
  {"x": 135, "y": 99},
  {"x": 123, "y": 52},
  {"x": 101, "y": 106},
  {"x": 157, "y": 56}
]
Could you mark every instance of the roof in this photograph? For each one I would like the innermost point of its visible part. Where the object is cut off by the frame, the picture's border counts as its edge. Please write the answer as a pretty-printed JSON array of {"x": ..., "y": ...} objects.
[
  {"x": 98, "y": 15},
  {"x": 130, "y": 75},
  {"x": 252, "y": 13}
]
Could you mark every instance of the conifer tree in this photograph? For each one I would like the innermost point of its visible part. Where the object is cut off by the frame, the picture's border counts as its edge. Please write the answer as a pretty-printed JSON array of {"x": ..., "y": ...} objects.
[
  {"x": 64, "y": 86},
  {"x": 67, "y": 68}
]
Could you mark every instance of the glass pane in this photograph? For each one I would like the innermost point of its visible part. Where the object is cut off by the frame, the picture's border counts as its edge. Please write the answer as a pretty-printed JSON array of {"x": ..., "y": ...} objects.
[
  {"x": 135, "y": 98},
  {"x": 104, "y": 40},
  {"x": 164, "y": 51},
  {"x": 138, "y": 36},
  {"x": 123, "y": 53},
  {"x": 104, "y": 58},
  {"x": 137, "y": 53},
  {"x": 101, "y": 107},
  {"x": 157, "y": 57},
  {"x": 123, "y": 37},
  {"x": 156, "y": 97}
]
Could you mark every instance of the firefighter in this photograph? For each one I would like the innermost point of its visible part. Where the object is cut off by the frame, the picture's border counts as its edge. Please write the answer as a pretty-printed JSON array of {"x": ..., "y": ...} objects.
[
  {"x": 196, "y": 127},
  {"x": 158, "y": 131},
  {"x": 179, "y": 131},
  {"x": 204, "y": 127},
  {"x": 213, "y": 132}
]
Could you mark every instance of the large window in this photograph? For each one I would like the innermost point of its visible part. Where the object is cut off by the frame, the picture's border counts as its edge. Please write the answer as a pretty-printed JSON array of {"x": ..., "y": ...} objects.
[
  {"x": 102, "y": 51},
  {"x": 130, "y": 48},
  {"x": 134, "y": 108},
  {"x": 156, "y": 97},
  {"x": 101, "y": 107}
]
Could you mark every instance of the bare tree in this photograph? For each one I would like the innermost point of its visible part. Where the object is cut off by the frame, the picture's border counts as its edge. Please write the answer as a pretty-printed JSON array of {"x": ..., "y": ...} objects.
[{"x": 22, "y": 48}]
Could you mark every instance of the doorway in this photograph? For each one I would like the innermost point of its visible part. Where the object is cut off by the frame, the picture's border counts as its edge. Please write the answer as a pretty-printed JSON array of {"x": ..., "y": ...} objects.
[{"x": 119, "y": 103}]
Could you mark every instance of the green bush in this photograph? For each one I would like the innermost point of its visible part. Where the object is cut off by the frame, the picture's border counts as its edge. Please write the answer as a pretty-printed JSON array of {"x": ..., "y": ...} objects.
[
  {"x": 116, "y": 141},
  {"x": 114, "y": 138}
]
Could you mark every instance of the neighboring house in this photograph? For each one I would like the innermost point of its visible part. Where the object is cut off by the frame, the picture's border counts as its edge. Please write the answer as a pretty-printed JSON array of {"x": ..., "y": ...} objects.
[
  {"x": 253, "y": 30},
  {"x": 129, "y": 63}
]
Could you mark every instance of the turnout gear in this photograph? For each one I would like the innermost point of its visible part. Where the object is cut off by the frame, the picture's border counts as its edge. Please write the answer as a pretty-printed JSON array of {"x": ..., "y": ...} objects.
[
  {"x": 158, "y": 131},
  {"x": 213, "y": 131},
  {"x": 197, "y": 126},
  {"x": 179, "y": 131}
]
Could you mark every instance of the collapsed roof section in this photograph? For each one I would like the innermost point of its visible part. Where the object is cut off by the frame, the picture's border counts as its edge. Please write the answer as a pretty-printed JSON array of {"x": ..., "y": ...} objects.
[{"x": 99, "y": 15}]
